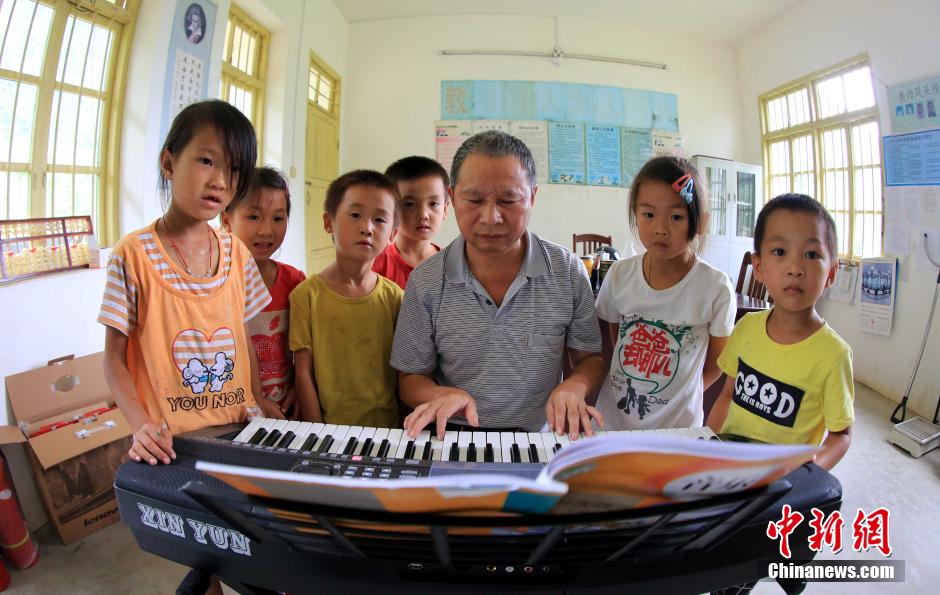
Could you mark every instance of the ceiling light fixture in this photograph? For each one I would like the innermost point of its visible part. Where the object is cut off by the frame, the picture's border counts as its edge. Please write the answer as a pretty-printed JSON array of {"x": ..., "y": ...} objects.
[{"x": 557, "y": 55}]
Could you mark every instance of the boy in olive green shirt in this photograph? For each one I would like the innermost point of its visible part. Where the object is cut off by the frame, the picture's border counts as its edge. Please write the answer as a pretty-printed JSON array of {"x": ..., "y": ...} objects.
[{"x": 343, "y": 319}]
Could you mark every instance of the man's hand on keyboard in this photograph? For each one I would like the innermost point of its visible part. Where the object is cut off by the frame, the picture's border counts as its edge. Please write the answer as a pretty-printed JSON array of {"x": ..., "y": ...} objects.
[
  {"x": 451, "y": 402},
  {"x": 567, "y": 412}
]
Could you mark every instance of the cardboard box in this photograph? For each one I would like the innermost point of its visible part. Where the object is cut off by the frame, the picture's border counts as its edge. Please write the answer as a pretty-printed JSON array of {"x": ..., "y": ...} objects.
[{"x": 76, "y": 441}]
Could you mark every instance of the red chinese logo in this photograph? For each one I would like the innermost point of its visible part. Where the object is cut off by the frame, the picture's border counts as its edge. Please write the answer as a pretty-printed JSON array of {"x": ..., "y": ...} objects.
[
  {"x": 828, "y": 531},
  {"x": 649, "y": 352},
  {"x": 784, "y": 527},
  {"x": 868, "y": 531},
  {"x": 871, "y": 531}
]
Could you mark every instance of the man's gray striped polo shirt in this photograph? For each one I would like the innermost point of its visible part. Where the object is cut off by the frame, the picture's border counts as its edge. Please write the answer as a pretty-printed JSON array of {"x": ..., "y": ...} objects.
[{"x": 509, "y": 358}]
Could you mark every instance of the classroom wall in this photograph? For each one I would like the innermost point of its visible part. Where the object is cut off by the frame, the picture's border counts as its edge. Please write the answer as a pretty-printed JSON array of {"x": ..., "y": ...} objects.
[
  {"x": 393, "y": 94},
  {"x": 899, "y": 39}
]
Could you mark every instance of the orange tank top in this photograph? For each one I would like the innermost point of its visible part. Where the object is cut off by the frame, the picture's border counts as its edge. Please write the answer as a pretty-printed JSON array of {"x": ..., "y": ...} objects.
[{"x": 189, "y": 354}]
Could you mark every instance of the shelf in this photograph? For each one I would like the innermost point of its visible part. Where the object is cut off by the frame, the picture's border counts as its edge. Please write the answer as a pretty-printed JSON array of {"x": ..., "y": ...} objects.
[{"x": 31, "y": 247}]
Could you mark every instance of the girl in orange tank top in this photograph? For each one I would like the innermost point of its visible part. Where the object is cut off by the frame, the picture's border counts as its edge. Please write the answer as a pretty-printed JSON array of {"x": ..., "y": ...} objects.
[{"x": 179, "y": 293}]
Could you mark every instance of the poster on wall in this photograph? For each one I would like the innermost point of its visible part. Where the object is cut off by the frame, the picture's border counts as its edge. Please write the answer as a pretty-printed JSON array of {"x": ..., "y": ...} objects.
[
  {"x": 901, "y": 206},
  {"x": 566, "y": 153},
  {"x": 456, "y": 100},
  {"x": 912, "y": 159},
  {"x": 636, "y": 148},
  {"x": 448, "y": 136},
  {"x": 666, "y": 143},
  {"x": 190, "y": 54},
  {"x": 877, "y": 293},
  {"x": 535, "y": 135},
  {"x": 484, "y": 125},
  {"x": 603, "y": 155},
  {"x": 843, "y": 286},
  {"x": 912, "y": 225},
  {"x": 914, "y": 105},
  {"x": 560, "y": 102}
]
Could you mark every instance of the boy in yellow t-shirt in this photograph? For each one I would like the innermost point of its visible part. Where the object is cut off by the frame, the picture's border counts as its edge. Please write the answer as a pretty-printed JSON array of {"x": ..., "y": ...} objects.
[
  {"x": 790, "y": 374},
  {"x": 343, "y": 319}
]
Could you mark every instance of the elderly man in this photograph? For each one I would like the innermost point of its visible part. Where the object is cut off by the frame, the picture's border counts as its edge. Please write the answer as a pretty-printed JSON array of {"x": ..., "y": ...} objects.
[{"x": 484, "y": 324}]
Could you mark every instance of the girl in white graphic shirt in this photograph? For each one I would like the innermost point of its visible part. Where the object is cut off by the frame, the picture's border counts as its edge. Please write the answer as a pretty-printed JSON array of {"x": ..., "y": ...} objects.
[{"x": 669, "y": 313}]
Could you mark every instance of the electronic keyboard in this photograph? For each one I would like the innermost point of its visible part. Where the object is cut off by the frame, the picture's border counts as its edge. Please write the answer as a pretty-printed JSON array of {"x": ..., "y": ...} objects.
[
  {"x": 383, "y": 453},
  {"x": 254, "y": 544}
]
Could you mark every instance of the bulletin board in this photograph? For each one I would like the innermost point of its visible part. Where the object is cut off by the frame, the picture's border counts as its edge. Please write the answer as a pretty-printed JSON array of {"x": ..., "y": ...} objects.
[{"x": 579, "y": 134}]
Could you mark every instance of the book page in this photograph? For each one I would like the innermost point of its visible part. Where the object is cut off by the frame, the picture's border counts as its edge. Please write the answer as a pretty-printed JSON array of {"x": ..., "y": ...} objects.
[
  {"x": 450, "y": 493},
  {"x": 618, "y": 472}
]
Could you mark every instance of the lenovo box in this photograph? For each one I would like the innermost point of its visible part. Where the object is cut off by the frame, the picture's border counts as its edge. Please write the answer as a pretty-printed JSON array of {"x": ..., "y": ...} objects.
[{"x": 76, "y": 441}]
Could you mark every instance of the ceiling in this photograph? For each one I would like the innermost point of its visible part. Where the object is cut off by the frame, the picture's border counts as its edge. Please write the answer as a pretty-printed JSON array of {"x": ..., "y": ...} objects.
[{"x": 722, "y": 21}]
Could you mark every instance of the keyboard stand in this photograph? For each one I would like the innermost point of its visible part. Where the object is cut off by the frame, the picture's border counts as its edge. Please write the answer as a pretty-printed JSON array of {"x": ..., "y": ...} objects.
[{"x": 296, "y": 547}]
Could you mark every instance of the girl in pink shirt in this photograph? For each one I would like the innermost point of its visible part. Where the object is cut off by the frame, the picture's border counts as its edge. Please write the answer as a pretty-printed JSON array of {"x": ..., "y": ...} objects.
[{"x": 260, "y": 221}]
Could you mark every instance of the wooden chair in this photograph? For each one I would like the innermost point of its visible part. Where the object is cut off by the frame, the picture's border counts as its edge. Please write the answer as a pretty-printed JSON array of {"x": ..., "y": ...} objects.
[
  {"x": 590, "y": 242},
  {"x": 747, "y": 283}
]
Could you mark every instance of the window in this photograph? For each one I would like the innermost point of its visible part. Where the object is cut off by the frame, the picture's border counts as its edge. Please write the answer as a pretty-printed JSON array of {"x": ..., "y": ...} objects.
[
  {"x": 62, "y": 66},
  {"x": 821, "y": 137},
  {"x": 323, "y": 89},
  {"x": 244, "y": 64}
]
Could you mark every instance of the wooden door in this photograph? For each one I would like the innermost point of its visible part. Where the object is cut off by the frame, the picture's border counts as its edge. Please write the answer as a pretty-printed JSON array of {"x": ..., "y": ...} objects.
[{"x": 321, "y": 166}]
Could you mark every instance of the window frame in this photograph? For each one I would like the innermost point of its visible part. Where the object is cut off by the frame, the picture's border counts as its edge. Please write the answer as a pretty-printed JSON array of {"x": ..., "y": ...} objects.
[
  {"x": 815, "y": 127},
  {"x": 121, "y": 22},
  {"x": 231, "y": 74},
  {"x": 323, "y": 72}
]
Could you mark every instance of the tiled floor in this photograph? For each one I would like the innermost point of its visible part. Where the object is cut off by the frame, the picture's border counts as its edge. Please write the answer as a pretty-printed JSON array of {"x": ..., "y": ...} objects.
[{"x": 873, "y": 474}]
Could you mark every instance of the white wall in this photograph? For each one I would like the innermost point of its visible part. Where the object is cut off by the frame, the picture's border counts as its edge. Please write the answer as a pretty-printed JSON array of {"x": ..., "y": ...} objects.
[
  {"x": 393, "y": 94},
  {"x": 900, "y": 40}
]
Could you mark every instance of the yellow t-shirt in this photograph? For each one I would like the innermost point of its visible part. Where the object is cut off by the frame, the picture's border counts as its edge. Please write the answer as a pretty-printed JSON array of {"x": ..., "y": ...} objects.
[
  {"x": 350, "y": 340},
  {"x": 787, "y": 394}
]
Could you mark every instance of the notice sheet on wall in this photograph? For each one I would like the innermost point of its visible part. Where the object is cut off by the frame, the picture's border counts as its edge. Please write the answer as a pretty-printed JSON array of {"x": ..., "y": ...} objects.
[
  {"x": 636, "y": 148},
  {"x": 902, "y": 205},
  {"x": 666, "y": 143},
  {"x": 911, "y": 217},
  {"x": 448, "y": 136},
  {"x": 912, "y": 159},
  {"x": 566, "y": 153},
  {"x": 603, "y": 155},
  {"x": 843, "y": 287},
  {"x": 484, "y": 125},
  {"x": 535, "y": 135},
  {"x": 877, "y": 292}
]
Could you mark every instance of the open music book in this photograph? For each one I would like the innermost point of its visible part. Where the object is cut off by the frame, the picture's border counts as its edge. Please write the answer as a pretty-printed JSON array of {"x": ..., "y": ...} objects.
[{"x": 605, "y": 473}]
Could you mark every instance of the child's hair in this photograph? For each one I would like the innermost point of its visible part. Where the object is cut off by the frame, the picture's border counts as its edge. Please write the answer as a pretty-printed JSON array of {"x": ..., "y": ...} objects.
[
  {"x": 799, "y": 203},
  {"x": 236, "y": 131},
  {"x": 263, "y": 177},
  {"x": 360, "y": 177},
  {"x": 414, "y": 167},
  {"x": 669, "y": 170}
]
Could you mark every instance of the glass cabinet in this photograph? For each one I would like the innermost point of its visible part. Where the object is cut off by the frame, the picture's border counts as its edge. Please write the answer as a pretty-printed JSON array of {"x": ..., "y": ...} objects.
[{"x": 735, "y": 193}]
